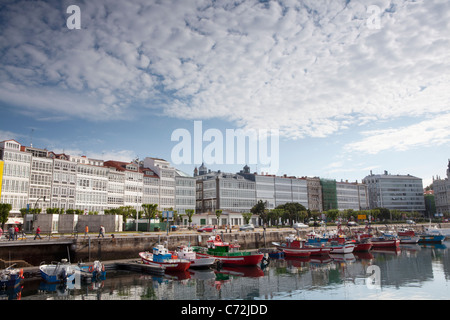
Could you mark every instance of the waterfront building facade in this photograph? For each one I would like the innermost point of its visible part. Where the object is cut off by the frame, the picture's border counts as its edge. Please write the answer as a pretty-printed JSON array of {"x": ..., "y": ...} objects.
[
  {"x": 351, "y": 195},
  {"x": 441, "y": 189},
  {"x": 239, "y": 192},
  {"x": 314, "y": 191},
  {"x": 225, "y": 191},
  {"x": 395, "y": 192},
  {"x": 184, "y": 192},
  {"x": 64, "y": 182},
  {"x": 344, "y": 195},
  {"x": 41, "y": 178},
  {"x": 16, "y": 175},
  {"x": 166, "y": 174},
  {"x": 37, "y": 178},
  {"x": 92, "y": 186}
]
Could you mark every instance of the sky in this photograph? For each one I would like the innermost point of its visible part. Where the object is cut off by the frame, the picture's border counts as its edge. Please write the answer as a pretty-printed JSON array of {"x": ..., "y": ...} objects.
[{"x": 336, "y": 88}]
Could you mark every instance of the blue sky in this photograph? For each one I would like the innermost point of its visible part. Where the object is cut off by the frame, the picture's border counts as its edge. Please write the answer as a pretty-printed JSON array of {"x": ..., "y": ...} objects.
[{"x": 351, "y": 86}]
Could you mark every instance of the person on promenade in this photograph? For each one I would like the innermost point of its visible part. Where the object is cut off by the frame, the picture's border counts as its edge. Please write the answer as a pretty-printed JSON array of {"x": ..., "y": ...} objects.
[
  {"x": 11, "y": 233},
  {"x": 101, "y": 232},
  {"x": 16, "y": 232},
  {"x": 38, "y": 233},
  {"x": 86, "y": 231},
  {"x": 1, "y": 232}
]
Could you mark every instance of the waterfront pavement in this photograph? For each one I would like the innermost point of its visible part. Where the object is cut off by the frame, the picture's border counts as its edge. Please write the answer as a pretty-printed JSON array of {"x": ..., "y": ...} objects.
[{"x": 55, "y": 238}]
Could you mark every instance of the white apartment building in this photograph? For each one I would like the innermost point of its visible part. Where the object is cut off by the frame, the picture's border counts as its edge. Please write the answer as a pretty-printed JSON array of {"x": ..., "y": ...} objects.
[
  {"x": 64, "y": 182},
  {"x": 41, "y": 178},
  {"x": 225, "y": 191},
  {"x": 351, "y": 196},
  {"x": 151, "y": 187},
  {"x": 92, "y": 185},
  {"x": 278, "y": 190},
  {"x": 116, "y": 188},
  {"x": 400, "y": 192},
  {"x": 38, "y": 178},
  {"x": 184, "y": 192},
  {"x": 132, "y": 180},
  {"x": 166, "y": 174},
  {"x": 441, "y": 188},
  {"x": 16, "y": 175}
]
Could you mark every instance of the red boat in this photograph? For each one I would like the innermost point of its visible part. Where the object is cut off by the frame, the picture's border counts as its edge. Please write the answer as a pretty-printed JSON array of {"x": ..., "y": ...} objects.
[
  {"x": 297, "y": 248},
  {"x": 361, "y": 246},
  {"x": 162, "y": 257},
  {"x": 382, "y": 242},
  {"x": 228, "y": 254}
]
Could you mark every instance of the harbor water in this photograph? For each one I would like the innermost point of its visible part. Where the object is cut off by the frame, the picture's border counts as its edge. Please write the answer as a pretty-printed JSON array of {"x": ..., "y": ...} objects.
[{"x": 412, "y": 272}]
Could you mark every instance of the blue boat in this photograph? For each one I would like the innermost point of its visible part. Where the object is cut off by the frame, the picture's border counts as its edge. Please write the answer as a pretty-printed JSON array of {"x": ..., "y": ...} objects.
[
  {"x": 431, "y": 238},
  {"x": 61, "y": 272},
  {"x": 431, "y": 235},
  {"x": 10, "y": 278}
]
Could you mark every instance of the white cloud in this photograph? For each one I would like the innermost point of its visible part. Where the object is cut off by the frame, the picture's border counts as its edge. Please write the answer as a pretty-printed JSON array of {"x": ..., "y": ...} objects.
[
  {"x": 309, "y": 68},
  {"x": 435, "y": 131}
]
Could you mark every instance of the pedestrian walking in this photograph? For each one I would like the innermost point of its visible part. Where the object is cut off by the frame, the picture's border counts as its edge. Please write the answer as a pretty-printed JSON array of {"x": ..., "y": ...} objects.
[
  {"x": 38, "y": 233},
  {"x": 86, "y": 231},
  {"x": 1, "y": 232},
  {"x": 16, "y": 232},
  {"x": 11, "y": 233},
  {"x": 101, "y": 232}
]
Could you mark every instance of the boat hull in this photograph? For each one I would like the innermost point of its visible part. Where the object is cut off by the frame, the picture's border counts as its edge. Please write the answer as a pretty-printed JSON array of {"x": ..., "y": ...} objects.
[
  {"x": 204, "y": 262},
  {"x": 235, "y": 259},
  {"x": 297, "y": 252},
  {"x": 388, "y": 243},
  {"x": 50, "y": 274},
  {"x": 170, "y": 265},
  {"x": 342, "y": 249},
  {"x": 12, "y": 281},
  {"x": 318, "y": 250},
  {"x": 362, "y": 247},
  {"x": 195, "y": 259},
  {"x": 431, "y": 238},
  {"x": 408, "y": 240}
]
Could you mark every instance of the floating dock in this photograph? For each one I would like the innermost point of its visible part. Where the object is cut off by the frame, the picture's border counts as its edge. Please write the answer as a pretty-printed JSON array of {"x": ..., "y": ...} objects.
[{"x": 134, "y": 265}]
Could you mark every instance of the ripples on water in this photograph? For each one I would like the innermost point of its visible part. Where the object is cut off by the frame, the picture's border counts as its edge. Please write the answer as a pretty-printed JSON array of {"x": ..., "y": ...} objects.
[{"x": 413, "y": 272}]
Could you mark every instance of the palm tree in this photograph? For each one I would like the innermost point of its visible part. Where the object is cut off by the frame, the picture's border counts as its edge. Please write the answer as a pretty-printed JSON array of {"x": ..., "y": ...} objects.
[
  {"x": 150, "y": 211},
  {"x": 218, "y": 214},
  {"x": 189, "y": 213}
]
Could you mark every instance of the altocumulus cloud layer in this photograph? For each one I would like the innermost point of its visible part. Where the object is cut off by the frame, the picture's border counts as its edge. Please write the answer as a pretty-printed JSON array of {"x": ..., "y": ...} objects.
[{"x": 308, "y": 68}]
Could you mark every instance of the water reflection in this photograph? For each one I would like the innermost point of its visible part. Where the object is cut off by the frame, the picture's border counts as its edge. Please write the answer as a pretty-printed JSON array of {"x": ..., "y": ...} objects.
[{"x": 412, "y": 272}]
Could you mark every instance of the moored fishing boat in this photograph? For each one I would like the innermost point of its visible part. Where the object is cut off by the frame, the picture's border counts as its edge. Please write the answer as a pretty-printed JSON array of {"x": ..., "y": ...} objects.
[
  {"x": 431, "y": 238},
  {"x": 385, "y": 242},
  {"x": 362, "y": 245},
  {"x": 10, "y": 277},
  {"x": 407, "y": 236},
  {"x": 187, "y": 253},
  {"x": 341, "y": 248},
  {"x": 95, "y": 270},
  {"x": 58, "y": 272},
  {"x": 228, "y": 254},
  {"x": 161, "y": 257},
  {"x": 294, "y": 247}
]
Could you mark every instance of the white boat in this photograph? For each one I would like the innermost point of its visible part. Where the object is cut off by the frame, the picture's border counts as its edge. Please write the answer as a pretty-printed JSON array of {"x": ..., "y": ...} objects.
[
  {"x": 58, "y": 272},
  {"x": 186, "y": 252},
  {"x": 341, "y": 248}
]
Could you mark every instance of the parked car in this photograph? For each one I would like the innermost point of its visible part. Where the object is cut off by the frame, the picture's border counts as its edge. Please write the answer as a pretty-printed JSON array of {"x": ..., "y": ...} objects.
[
  {"x": 410, "y": 222},
  {"x": 299, "y": 225},
  {"x": 352, "y": 224},
  {"x": 205, "y": 229},
  {"x": 247, "y": 227},
  {"x": 314, "y": 223}
]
